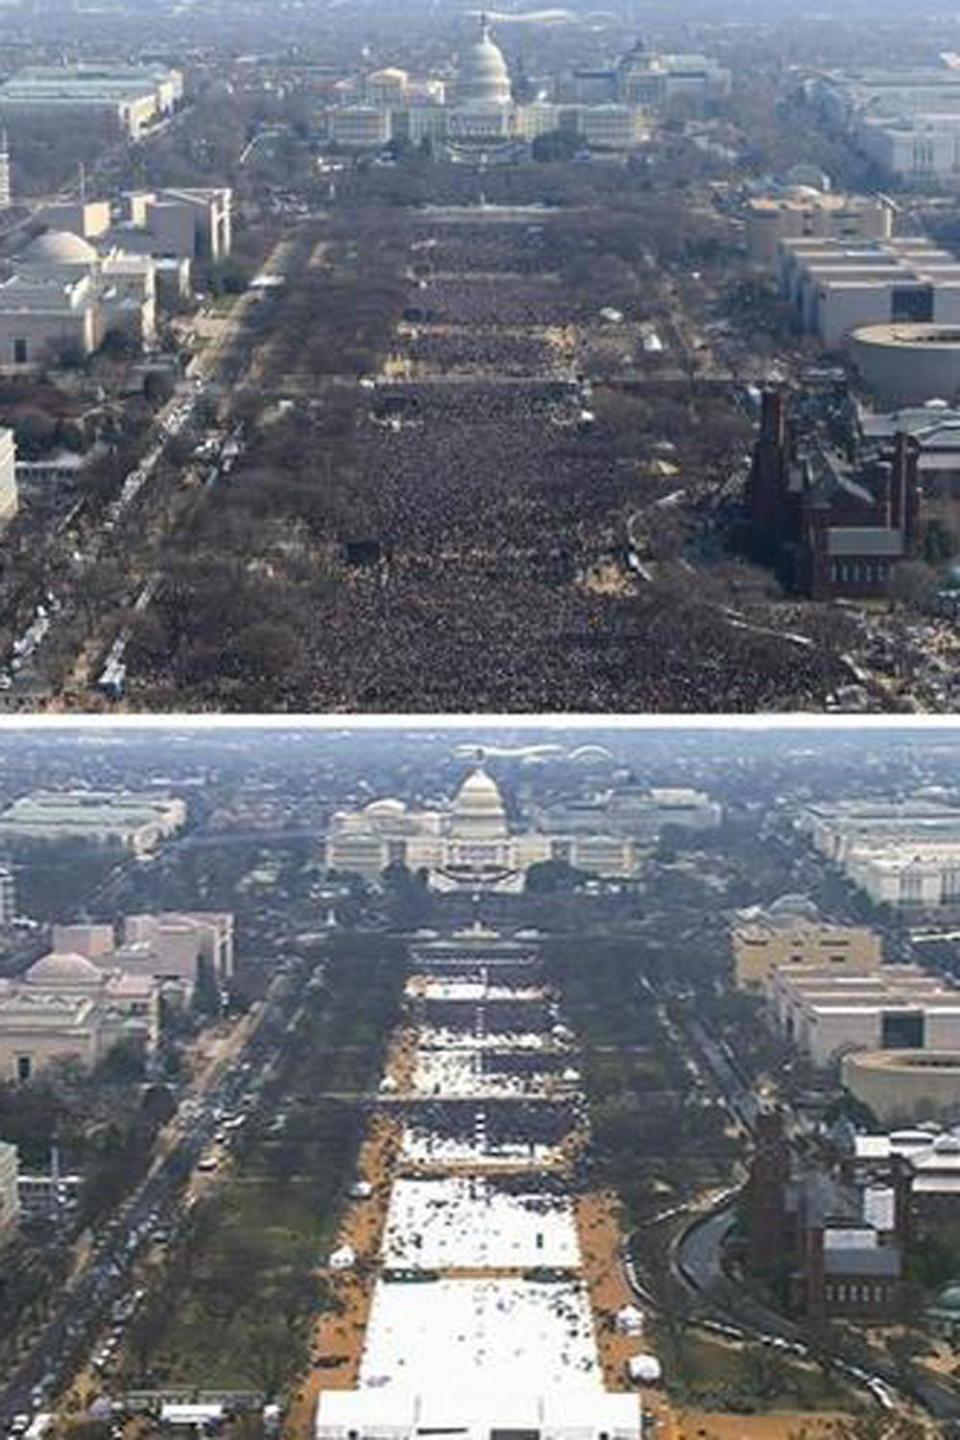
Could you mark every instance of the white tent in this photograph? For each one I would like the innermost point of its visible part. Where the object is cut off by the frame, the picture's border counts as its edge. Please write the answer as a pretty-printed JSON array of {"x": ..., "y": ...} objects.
[
  {"x": 644, "y": 1369},
  {"x": 195, "y": 1415},
  {"x": 343, "y": 1258},
  {"x": 629, "y": 1320}
]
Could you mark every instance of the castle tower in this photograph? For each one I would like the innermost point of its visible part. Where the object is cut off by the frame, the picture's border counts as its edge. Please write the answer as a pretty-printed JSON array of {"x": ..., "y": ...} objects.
[
  {"x": 765, "y": 1194},
  {"x": 767, "y": 484}
]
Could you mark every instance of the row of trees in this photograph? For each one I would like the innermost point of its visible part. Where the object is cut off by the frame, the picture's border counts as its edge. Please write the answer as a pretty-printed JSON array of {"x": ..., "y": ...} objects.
[{"x": 240, "y": 1288}]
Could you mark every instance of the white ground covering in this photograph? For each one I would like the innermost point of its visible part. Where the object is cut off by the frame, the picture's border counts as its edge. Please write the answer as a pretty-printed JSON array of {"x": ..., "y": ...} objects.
[
  {"x": 394, "y": 1414},
  {"x": 427, "y": 1147},
  {"x": 459, "y": 1072},
  {"x": 433, "y": 989},
  {"x": 448, "y": 1335},
  {"x": 469, "y": 1222},
  {"x": 439, "y": 1037}
]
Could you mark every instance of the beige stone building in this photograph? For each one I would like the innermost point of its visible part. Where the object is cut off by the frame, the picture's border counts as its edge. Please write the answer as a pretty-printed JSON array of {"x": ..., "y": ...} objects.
[
  {"x": 90, "y": 992},
  {"x": 182, "y": 223},
  {"x": 904, "y": 1086},
  {"x": 64, "y": 295},
  {"x": 168, "y": 947},
  {"x": 38, "y": 1028},
  {"x": 119, "y": 994},
  {"x": 802, "y": 212},
  {"x": 786, "y": 936}
]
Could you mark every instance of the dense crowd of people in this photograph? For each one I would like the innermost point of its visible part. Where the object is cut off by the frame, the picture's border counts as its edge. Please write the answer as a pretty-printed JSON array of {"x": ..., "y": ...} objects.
[
  {"x": 479, "y": 472},
  {"x": 437, "y": 352},
  {"x": 479, "y": 248},
  {"x": 501, "y": 300},
  {"x": 474, "y": 506},
  {"x": 462, "y": 643}
]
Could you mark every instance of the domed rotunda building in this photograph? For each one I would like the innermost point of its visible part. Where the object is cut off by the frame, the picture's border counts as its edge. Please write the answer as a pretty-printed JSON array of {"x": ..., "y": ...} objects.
[
  {"x": 472, "y": 116},
  {"x": 63, "y": 295},
  {"x": 483, "y": 79},
  {"x": 482, "y": 111},
  {"x": 466, "y": 844},
  {"x": 478, "y": 810}
]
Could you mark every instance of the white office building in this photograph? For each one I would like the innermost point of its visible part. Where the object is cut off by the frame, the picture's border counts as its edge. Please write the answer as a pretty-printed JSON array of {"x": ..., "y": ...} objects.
[
  {"x": 9, "y": 1194},
  {"x": 137, "y": 821},
  {"x": 907, "y": 121},
  {"x": 6, "y": 195},
  {"x": 8, "y": 895},
  {"x": 125, "y": 100},
  {"x": 835, "y": 286},
  {"x": 8, "y": 476},
  {"x": 905, "y": 854},
  {"x": 827, "y": 1016}
]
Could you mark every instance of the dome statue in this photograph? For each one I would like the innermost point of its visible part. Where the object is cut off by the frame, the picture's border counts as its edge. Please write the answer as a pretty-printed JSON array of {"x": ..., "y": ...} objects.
[{"x": 483, "y": 80}]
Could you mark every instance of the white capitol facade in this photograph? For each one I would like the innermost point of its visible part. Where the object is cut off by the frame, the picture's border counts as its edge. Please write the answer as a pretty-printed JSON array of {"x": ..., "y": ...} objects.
[
  {"x": 475, "y": 113},
  {"x": 466, "y": 844}
]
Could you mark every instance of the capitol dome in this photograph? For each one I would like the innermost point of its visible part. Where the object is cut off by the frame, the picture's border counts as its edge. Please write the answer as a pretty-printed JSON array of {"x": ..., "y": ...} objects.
[
  {"x": 483, "y": 79},
  {"x": 59, "y": 247},
  {"x": 65, "y": 971},
  {"x": 478, "y": 809}
]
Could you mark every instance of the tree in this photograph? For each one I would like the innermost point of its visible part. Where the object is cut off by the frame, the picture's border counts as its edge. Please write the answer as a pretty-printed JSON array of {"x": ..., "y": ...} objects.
[
  {"x": 939, "y": 541},
  {"x": 556, "y": 146},
  {"x": 271, "y": 1357},
  {"x": 228, "y": 277},
  {"x": 159, "y": 1106},
  {"x": 67, "y": 354},
  {"x": 765, "y": 1372},
  {"x": 235, "y": 1275},
  {"x": 409, "y": 899},
  {"x": 264, "y": 653},
  {"x": 158, "y": 388},
  {"x": 550, "y": 876},
  {"x": 35, "y": 433},
  {"x": 914, "y": 585},
  {"x": 206, "y": 991},
  {"x": 149, "y": 1328},
  {"x": 119, "y": 345},
  {"x": 122, "y": 1063}
]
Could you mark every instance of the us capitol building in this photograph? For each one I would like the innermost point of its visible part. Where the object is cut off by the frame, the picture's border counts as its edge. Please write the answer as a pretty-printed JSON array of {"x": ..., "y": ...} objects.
[
  {"x": 476, "y": 113},
  {"x": 468, "y": 845}
]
